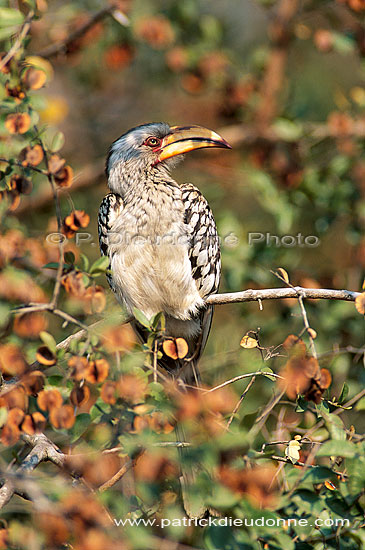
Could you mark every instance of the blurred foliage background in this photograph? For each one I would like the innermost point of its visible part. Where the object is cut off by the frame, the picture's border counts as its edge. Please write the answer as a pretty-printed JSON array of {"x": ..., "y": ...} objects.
[{"x": 284, "y": 82}]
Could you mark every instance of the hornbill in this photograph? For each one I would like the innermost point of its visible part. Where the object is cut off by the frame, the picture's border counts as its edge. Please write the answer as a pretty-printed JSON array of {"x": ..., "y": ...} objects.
[{"x": 161, "y": 237}]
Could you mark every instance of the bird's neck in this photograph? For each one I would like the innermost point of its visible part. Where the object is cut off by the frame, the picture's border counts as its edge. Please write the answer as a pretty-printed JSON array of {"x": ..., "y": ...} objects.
[{"x": 131, "y": 181}]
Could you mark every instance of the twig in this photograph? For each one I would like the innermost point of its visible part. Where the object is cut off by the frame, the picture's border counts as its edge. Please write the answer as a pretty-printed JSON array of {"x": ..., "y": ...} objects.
[
  {"x": 307, "y": 465},
  {"x": 64, "y": 46},
  {"x": 274, "y": 76},
  {"x": 240, "y": 377},
  {"x": 18, "y": 42},
  {"x": 260, "y": 421},
  {"x": 49, "y": 307},
  {"x": 51, "y": 180},
  {"x": 349, "y": 403},
  {"x": 87, "y": 176},
  {"x": 43, "y": 449},
  {"x": 280, "y": 293},
  {"x": 116, "y": 477},
  {"x": 18, "y": 163},
  {"x": 302, "y": 464},
  {"x": 303, "y": 312},
  {"x": 239, "y": 402}
]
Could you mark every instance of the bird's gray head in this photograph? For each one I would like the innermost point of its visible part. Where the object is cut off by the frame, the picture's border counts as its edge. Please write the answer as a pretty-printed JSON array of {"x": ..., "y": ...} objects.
[
  {"x": 154, "y": 147},
  {"x": 138, "y": 147}
]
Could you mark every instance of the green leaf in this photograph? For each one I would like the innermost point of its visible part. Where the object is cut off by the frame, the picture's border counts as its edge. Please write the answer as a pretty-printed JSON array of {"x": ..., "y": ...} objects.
[
  {"x": 3, "y": 416},
  {"x": 100, "y": 265},
  {"x": 268, "y": 371},
  {"x": 334, "y": 425},
  {"x": 319, "y": 474},
  {"x": 48, "y": 340},
  {"x": 10, "y": 17},
  {"x": 287, "y": 129},
  {"x": 69, "y": 257},
  {"x": 356, "y": 472},
  {"x": 156, "y": 390},
  {"x": 344, "y": 393},
  {"x": 53, "y": 140},
  {"x": 82, "y": 422},
  {"x": 337, "y": 448},
  {"x": 85, "y": 262},
  {"x": 141, "y": 318},
  {"x": 302, "y": 404},
  {"x": 342, "y": 44},
  {"x": 285, "y": 541},
  {"x": 158, "y": 319},
  {"x": 6, "y": 32},
  {"x": 51, "y": 265},
  {"x": 55, "y": 380},
  {"x": 361, "y": 404},
  {"x": 4, "y": 313}
]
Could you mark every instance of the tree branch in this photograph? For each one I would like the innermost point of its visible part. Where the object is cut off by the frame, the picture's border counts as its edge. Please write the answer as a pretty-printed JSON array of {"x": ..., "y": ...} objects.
[
  {"x": 43, "y": 449},
  {"x": 18, "y": 42},
  {"x": 64, "y": 46},
  {"x": 280, "y": 293}
]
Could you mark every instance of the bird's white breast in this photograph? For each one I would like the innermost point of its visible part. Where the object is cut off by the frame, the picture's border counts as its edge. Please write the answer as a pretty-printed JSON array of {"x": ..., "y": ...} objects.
[{"x": 148, "y": 246}]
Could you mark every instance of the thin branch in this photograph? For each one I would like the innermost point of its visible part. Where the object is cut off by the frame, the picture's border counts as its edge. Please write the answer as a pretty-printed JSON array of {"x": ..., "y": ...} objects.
[
  {"x": 239, "y": 402},
  {"x": 116, "y": 477},
  {"x": 51, "y": 180},
  {"x": 260, "y": 421},
  {"x": 18, "y": 42},
  {"x": 345, "y": 406},
  {"x": 32, "y": 308},
  {"x": 307, "y": 326},
  {"x": 18, "y": 163},
  {"x": 280, "y": 293},
  {"x": 240, "y": 377},
  {"x": 274, "y": 75},
  {"x": 43, "y": 449},
  {"x": 64, "y": 46},
  {"x": 301, "y": 464}
]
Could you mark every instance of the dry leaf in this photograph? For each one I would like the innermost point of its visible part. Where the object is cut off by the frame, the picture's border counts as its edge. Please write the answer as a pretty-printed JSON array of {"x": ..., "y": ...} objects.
[
  {"x": 176, "y": 348},
  {"x": 55, "y": 164},
  {"x": 79, "y": 366},
  {"x": 64, "y": 177},
  {"x": 292, "y": 450},
  {"x": 329, "y": 485},
  {"x": 45, "y": 356},
  {"x": 97, "y": 371},
  {"x": 49, "y": 399},
  {"x": 33, "y": 382},
  {"x": 17, "y": 123},
  {"x": 108, "y": 392},
  {"x": 360, "y": 303},
  {"x": 80, "y": 395},
  {"x": 31, "y": 156},
  {"x": 248, "y": 342},
  {"x": 283, "y": 274},
  {"x": 34, "y": 78},
  {"x": 62, "y": 417},
  {"x": 20, "y": 184}
]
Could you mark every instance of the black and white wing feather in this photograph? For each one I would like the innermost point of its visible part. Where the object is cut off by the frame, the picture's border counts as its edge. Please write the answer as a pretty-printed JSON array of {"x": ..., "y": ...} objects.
[
  {"x": 205, "y": 259},
  {"x": 204, "y": 251},
  {"x": 110, "y": 208}
]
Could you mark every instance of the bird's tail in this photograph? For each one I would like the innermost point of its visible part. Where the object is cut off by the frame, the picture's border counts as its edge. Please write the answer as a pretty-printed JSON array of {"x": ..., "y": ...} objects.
[{"x": 193, "y": 500}]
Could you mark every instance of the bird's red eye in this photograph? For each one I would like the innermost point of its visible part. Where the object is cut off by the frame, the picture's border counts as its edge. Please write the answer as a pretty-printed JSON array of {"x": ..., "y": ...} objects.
[{"x": 152, "y": 142}]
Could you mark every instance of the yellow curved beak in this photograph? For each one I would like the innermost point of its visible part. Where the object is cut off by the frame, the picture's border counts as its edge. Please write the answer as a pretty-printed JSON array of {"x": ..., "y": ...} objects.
[{"x": 183, "y": 139}]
